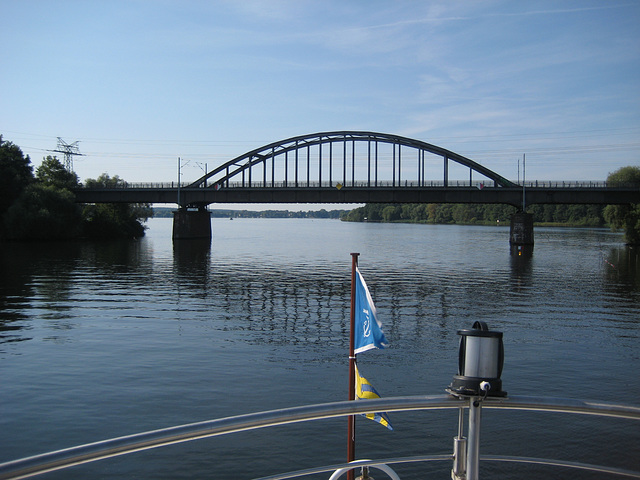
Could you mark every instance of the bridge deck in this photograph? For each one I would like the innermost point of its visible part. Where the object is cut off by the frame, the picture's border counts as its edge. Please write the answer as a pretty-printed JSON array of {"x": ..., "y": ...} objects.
[{"x": 363, "y": 194}]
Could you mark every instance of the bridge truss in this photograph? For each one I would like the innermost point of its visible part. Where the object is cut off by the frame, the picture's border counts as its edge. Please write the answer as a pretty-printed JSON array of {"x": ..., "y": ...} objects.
[{"x": 344, "y": 159}]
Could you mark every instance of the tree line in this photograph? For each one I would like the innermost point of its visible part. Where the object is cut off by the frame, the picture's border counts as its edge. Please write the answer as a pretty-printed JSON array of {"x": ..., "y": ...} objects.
[
  {"x": 478, "y": 214},
  {"x": 618, "y": 217},
  {"x": 163, "y": 212},
  {"x": 43, "y": 206}
]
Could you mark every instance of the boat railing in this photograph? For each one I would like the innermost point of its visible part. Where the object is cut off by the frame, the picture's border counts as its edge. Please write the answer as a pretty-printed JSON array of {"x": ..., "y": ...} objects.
[{"x": 60, "y": 459}]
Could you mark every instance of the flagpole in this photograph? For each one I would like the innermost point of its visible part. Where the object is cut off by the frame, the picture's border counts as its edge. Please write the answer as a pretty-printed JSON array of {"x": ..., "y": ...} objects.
[{"x": 351, "y": 430}]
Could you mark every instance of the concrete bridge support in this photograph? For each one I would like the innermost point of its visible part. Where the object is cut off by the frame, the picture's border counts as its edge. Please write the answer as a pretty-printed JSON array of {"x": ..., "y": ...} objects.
[
  {"x": 191, "y": 224},
  {"x": 521, "y": 232}
]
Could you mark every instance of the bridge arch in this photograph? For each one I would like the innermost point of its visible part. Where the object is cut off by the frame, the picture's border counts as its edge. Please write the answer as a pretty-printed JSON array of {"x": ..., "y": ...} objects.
[{"x": 342, "y": 158}]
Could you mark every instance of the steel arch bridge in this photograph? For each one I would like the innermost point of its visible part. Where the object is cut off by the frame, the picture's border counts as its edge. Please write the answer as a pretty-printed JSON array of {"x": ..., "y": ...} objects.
[
  {"x": 343, "y": 159},
  {"x": 353, "y": 167}
]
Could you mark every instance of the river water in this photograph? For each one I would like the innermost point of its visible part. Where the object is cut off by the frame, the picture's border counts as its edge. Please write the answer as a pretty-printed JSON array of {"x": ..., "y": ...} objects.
[{"x": 107, "y": 339}]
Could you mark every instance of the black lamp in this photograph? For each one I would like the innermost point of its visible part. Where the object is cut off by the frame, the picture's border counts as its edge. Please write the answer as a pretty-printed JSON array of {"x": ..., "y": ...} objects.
[{"x": 480, "y": 362}]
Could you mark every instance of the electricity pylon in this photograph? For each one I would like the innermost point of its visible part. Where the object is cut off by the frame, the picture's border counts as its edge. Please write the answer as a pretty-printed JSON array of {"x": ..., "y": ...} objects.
[{"x": 69, "y": 150}]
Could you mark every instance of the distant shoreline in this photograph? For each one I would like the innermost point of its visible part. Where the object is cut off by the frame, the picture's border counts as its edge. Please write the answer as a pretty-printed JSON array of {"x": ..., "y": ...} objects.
[{"x": 166, "y": 212}]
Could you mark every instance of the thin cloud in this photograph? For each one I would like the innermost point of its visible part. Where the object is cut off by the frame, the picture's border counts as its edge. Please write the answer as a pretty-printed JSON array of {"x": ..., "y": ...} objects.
[{"x": 435, "y": 18}]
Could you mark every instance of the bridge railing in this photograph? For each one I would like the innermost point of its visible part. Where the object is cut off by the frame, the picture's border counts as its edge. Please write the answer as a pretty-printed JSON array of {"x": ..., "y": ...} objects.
[
  {"x": 366, "y": 184},
  {"x": 564, "y": 184}
]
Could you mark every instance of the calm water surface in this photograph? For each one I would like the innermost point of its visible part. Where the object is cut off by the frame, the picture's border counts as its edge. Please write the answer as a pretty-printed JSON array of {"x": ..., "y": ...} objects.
[{"x": 104, "y": 340}]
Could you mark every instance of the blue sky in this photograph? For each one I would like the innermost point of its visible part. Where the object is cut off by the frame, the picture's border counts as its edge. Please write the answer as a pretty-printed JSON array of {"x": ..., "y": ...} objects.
[{"x": 140, "y": 83}]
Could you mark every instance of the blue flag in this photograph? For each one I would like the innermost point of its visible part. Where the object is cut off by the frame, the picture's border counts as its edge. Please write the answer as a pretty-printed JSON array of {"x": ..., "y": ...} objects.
[
  {"x": 365, "y": 390},
  {"x": 368, "y": 330}
]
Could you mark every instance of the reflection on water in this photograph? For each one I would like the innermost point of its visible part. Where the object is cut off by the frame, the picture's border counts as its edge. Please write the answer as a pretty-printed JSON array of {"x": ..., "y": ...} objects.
[
  {"x": 193, "y": 254},
  {"x": 522, "y": 251},
  {"x": 298, "y": 299},
  {"x": 621, "y": 268},
  {"x": 521, "y": 260},
  {"x": 129, "y": 336}
]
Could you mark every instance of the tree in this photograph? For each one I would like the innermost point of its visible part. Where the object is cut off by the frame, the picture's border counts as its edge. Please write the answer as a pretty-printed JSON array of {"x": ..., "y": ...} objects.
[
  {"x": 432, "y": 211},
  {"x": 391, "y": 213},
  {"x": 46, "y": 209},
  {"x": 625, "y": 217},
  {"x": 624, "y": 176},
  {"x": 44, "y": 212},
  {"x": 105, "y": 181},
  {"x": 462, "y": 213},
  {"x": 443, "y": 214},
  {"x": 15, "y": 174},
  {"x": 52, "y": 172},
  {"x": 547, "y": 213},
  {"x": 373, "y": 212},
  {"x": 114, "y": 220}
]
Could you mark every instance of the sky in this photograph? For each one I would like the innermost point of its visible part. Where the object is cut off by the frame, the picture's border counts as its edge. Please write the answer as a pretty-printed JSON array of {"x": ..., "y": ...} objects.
[{"x": 139, "y": 83}]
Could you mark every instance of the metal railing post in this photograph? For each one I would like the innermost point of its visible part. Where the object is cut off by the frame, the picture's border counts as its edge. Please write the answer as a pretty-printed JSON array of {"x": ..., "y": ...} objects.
[
  {"x": 473, "y": 448},
  {"x": 459, "y": 470}
]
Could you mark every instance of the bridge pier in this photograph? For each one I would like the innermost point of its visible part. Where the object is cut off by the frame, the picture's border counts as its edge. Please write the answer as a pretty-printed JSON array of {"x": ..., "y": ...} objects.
[
  {"x": 189, "y": 224},
  {"x": 521, "y": 232}
]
